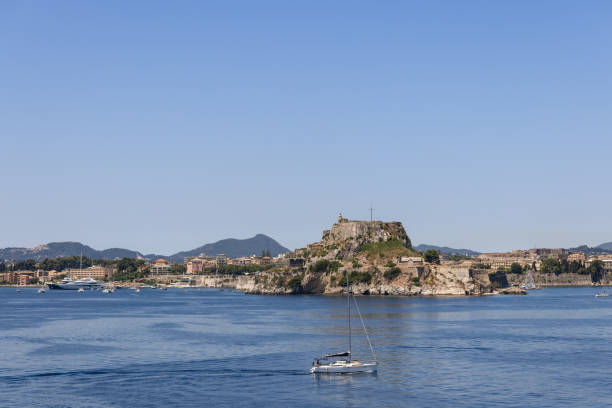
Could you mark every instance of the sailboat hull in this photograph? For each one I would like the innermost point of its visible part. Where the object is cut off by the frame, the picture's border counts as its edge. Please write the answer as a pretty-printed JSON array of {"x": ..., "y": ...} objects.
[{"x": 346, "y": 367}]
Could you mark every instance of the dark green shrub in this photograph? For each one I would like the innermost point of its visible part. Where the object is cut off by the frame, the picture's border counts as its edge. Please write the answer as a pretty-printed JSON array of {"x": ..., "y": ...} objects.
[
  {"x": 356, "y": 277},
  {"x": 432, "y": 256},
  {"x": 392, "y": 273},
  {"x": 295, "y": 282},
  {"x": 498, "y": 279},
  {"x": 320, "y": 266}
]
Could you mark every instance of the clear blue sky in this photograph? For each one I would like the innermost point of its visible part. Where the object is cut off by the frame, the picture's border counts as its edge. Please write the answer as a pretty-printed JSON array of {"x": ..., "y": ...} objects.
[{"x": 161, "y": 126}]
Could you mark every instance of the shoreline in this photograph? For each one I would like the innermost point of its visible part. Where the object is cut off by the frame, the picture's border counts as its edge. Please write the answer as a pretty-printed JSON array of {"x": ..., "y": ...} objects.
[{"x": 499, "y": 292}]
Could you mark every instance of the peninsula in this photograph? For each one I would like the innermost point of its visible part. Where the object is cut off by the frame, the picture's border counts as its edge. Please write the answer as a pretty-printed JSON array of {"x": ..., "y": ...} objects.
[{"x": 379, "y": 259}]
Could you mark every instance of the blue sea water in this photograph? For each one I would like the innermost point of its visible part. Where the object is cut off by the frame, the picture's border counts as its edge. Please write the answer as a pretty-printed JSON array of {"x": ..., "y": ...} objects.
[{"x": 208, "y": 347}]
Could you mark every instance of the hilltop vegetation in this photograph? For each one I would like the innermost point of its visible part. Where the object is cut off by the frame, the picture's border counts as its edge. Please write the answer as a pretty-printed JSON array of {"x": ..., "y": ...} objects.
[{"x": 387, "y": 249}]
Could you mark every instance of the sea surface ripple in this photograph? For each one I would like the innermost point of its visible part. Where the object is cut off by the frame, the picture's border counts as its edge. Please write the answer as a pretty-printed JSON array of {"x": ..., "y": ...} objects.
[{"x": 209, "y": 347}]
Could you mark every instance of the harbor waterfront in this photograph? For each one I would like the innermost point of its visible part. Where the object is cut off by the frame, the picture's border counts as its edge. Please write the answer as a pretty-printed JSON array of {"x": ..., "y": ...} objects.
[{"x": 219, "y": 347}]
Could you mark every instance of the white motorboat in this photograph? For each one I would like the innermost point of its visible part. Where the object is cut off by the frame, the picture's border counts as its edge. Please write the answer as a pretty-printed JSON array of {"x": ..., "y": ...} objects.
[
  {"x": 603, "y": 293},
  {"x": 42, "y": 290},
  {"x": 68, "y": 283},
  {"x": 81, "y": 290},
  {"x": 76, "y": 284},
  {"x": 342, "y": 363}
]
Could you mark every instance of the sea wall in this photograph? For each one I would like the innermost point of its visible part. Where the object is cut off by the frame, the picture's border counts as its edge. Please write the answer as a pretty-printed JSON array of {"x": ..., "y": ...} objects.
[{"x": 563, "y": 279}]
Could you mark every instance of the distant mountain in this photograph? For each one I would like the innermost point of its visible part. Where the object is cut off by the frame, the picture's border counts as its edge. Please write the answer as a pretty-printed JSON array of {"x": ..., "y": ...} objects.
[
  {"x": 446, "y": 250},
  {"x": 235, "y": 248},
  {"x": 231, "y": 247},
  {"x": 601, "y": 249},
  {"x": 606, "y": 247},
  {"x": 61, "y": 249}
]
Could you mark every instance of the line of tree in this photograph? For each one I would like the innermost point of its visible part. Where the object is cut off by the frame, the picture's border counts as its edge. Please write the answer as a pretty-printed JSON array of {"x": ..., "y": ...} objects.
[
  {"x": 27, "y": 265},
  {"x": 551, "y": 265},
  {"x": 129, "y": 269},
  {"x": 60, "y": 264}
]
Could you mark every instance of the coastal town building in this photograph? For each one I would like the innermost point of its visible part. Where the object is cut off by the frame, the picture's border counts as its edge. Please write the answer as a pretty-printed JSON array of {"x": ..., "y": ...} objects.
[
  {"x": 95, "y": 272},
  {"x": 314, "y": 246},
  {"x": 243, "y": 260},
  {"x": 504, "y": 260},
  {"x": 605, "y": 259},
  {"x": 196, "y": 265},
  {"x": 7, "y": 277},
  {"x": 221, "y": 260},
  {"x": 295, "y": 262},
  {"x": 24, "y": 278},
  {"x": 577, "y": 257},
  {"x": 556, "y": 253},
  {"x": 160, "y": 267},
  {"x": 411, "y": 260}
]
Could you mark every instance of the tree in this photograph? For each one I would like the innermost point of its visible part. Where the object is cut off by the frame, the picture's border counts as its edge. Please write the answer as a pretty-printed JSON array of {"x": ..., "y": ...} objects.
[
  {"x": 551, "y": 265},
  {"x": 432, "y": 256},
  {"x": 574, "y": 267},
  {"x": 597, "y": 270},
  {"x": 179, "y": 269},
  {"x": 27, "y": 265},
  {"x": 516, "y": 268},
  {"x": 2, "y": 267},
  {"x": 130, "y": 269},
  {"x": 392, "y": 273},
  {"x": 320, "y": 266}
]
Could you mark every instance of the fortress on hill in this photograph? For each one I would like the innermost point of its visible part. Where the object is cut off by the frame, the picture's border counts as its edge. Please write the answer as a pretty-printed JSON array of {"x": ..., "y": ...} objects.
[{"x": 363, "y": 232}]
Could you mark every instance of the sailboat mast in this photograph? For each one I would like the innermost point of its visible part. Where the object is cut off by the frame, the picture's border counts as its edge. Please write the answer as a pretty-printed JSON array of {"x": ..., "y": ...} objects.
[{"x": 348, "y": 302}]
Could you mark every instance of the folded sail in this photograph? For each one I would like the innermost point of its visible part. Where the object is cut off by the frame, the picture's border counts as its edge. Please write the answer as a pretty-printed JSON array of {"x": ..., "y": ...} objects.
[{"x": 345, "y": 354}]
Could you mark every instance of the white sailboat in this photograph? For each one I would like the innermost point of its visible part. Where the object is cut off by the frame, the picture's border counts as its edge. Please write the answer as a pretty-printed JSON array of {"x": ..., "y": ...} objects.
[
  {"x": 529, "y": 282},
  {"x": 342, "y": 363}
]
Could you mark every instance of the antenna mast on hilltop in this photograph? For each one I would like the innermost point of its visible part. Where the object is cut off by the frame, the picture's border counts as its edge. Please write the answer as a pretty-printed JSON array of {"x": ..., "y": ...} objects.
[{"x": 371, "y": 212}]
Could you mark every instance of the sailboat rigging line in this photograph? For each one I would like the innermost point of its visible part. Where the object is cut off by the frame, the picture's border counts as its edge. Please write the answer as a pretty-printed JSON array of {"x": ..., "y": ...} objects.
[
  {"x": 364, "y": 328},
  {"x": 348, "y": 302}
]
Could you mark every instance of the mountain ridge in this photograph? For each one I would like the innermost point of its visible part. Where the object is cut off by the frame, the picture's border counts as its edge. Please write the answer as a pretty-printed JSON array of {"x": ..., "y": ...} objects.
[
  {"x": 232, "y": 247},
  {"x": 606, "y": 246},
  {"x": 446, "y": 250}
]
